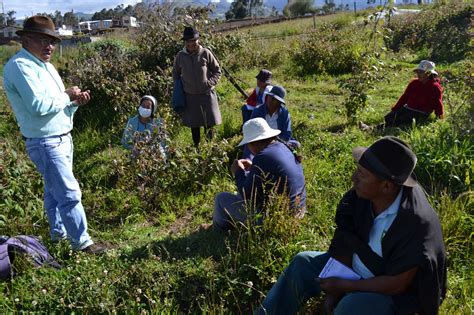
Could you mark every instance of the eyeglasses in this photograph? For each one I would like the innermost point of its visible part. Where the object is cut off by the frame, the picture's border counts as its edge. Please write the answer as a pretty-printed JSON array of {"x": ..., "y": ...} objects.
[{"x": 45, "y": 41}]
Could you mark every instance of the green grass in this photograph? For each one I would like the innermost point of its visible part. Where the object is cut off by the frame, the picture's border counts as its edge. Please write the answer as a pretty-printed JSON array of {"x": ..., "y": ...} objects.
[{"x": 161, "y": 262}]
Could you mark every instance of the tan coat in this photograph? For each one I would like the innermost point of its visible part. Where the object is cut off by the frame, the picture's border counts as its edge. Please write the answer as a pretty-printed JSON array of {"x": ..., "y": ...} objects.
[{"x": 199, "y": 73}]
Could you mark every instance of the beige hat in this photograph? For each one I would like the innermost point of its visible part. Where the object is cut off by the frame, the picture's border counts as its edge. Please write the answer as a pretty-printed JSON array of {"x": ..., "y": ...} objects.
[
  {"x": 427, "y": 67},
  {"x": 257, "y": 129}
]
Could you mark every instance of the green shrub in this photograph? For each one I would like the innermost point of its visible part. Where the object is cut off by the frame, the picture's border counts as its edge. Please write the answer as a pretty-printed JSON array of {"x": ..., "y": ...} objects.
[
  {"x": 442, "y": 32},
  {"x": 329, "y": 50},
  {"x": 21, "y": 204},
  {"x": 258, "y": 254},
  {"x": 113, "y": 72},
  {"x": 444, "y": 158},
  {"x": 184, "y": 170}
]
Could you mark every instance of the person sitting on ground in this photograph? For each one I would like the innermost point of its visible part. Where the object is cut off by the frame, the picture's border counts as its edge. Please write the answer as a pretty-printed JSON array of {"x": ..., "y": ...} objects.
[
  {"x": 387, "y": 232},
  {"x": 144, "y": 124},
  {"x": 257, "y": 97},
  {"x": 422, "y": 96},
  {"x": 274, "y": 169},
  {"x": 277, "y": 115}
]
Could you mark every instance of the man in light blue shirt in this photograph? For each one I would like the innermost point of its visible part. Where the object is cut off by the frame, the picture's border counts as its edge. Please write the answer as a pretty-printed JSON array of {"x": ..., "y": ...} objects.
[{"x": 44, "y": 110}]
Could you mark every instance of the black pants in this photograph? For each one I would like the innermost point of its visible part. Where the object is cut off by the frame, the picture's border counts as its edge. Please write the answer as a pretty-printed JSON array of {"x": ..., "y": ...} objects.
[
  {"x": 196, "y": 133},
  {"x": 404, "y": 116}
]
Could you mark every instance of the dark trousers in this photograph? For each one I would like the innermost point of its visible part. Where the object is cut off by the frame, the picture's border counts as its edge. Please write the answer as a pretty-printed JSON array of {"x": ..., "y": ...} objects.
[
  {"x": 196, "y": 133},
  {"x": 404, "y": 116},
  {"x": 246, "y": 114}
]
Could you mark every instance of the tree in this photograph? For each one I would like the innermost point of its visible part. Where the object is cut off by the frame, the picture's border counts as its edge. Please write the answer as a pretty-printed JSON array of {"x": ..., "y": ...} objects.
[
  {"x": 255, "y": 7},
  {"x": 329, "y": 6},
  {"x": 58, "y": 18},
  {"x": 70, "y": 18},
  {"x": 11, "y": 18},
  {"x": 298, "y": 8},
  {"x": 238, "y": 10},
  {"x": 274, "y": 11},
  {"x": 7, "y": 19}
]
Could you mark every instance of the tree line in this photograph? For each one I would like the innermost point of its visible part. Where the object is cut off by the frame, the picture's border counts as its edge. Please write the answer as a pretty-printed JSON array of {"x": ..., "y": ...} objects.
[{"x": 240, "y": 9}]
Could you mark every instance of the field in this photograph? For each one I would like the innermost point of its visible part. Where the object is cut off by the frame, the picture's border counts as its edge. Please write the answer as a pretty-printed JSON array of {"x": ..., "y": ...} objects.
[{"x": 149, "y": 212}]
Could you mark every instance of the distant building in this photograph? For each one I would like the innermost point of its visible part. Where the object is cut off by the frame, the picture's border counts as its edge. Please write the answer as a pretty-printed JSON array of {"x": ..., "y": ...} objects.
[
  {"x": 64, "y": 31},
  {"x": 125, "y": 21},
  {"x": 9, "y": 32}
]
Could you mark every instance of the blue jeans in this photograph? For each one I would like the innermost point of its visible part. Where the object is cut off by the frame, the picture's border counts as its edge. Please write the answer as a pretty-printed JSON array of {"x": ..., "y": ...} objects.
[
  {"x": 62, "y": 195},
  {"x": 298, "y": 283}
]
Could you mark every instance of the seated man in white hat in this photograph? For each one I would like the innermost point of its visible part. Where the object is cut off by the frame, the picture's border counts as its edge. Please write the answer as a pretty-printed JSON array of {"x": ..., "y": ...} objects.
[
  {"x": 386, "y": 232},
  {"x": 273, "y": 168}
]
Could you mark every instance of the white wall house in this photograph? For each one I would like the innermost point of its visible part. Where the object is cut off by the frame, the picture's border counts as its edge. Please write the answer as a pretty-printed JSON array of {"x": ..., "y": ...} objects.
[{"x": 9, "y": 32}]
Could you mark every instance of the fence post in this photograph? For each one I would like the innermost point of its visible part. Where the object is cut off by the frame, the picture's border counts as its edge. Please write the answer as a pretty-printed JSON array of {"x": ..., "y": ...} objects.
[
  {"x": 314, "y": 20},
  {"x": 355, "y": 9}
]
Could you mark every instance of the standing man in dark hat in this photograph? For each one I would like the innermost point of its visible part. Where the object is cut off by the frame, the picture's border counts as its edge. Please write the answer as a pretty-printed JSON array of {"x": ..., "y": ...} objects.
[
  {"x": 44, "y": 110},
  {"x": 199, "y": 71},
  {"x": 387, "y": 232}
]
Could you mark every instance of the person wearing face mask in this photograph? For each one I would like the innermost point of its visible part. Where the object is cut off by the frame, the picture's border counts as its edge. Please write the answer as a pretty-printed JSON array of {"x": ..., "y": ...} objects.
[
  {"x": 199, "y": 72},
  {"x": 143, "y": 124}
]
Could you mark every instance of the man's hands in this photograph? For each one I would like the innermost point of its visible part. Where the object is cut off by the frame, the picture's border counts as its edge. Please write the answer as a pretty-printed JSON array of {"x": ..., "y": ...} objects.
[
  {"x": 335, "y": 286},
  {"x": 77, "y": 96},
  {"x": 242, "y": 164}
]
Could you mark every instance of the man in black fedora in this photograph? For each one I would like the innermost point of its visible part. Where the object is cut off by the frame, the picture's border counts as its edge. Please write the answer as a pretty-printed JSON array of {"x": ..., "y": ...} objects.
[
  {"x": 199, "y": 72},
  {"x": 386, "y": 232},
  {"x": 44, "y": 110}
]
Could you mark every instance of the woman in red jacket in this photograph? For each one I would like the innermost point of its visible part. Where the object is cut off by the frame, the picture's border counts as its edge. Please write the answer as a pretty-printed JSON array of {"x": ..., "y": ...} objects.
[{"x": 422, "y": 96}]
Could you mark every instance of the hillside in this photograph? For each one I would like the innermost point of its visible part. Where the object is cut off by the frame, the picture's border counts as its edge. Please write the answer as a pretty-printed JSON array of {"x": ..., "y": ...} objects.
[{"x": 148, "y": 211}]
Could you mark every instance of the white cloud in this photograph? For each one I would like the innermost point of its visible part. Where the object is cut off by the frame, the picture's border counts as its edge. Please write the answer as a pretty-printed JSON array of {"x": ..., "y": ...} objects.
[{"x": 30, "y": 7}]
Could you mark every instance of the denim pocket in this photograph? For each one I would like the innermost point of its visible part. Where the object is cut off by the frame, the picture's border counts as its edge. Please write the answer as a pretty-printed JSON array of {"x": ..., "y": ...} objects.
[{"x": 51, "y": 143}]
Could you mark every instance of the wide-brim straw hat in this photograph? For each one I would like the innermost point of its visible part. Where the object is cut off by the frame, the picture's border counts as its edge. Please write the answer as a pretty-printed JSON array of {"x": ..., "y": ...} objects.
[
  {"x": 38, "y": 24},
  {"x": 388, "y": 158},
  {"x": 257, "y": 129}
]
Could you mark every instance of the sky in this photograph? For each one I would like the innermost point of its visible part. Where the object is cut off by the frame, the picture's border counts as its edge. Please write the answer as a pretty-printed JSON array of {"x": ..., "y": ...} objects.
[{"x": 30, "y": 7}]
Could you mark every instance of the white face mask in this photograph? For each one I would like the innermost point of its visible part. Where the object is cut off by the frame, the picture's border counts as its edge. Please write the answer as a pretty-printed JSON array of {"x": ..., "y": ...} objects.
[{"x": 144, "y": 112}]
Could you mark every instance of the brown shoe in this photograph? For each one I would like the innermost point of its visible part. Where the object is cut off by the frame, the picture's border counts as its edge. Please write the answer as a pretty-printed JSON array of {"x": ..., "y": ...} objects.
[{"x": 94, "y": 249}]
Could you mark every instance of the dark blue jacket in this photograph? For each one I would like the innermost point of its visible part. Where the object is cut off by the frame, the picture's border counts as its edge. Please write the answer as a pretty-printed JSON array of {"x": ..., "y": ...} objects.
[
  {"x": 274, "y": 166},
  {"x": 283, "y": 120},
  {"x": 179, "y": 99}
]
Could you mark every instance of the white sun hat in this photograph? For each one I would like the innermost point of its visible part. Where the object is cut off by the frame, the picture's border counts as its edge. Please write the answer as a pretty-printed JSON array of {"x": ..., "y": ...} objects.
[
  {"x": 257, "y": 129},
  {"x": 427, "y": 67}
]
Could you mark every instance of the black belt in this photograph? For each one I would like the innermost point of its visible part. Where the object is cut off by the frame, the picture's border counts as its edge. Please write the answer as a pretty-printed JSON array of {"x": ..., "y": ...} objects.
[{"x": 61, "y": 135}]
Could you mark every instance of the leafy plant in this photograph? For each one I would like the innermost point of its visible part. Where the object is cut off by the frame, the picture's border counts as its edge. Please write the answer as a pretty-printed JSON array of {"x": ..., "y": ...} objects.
[
  {"x": 365, "y": 75},
  {"x": 443, "y": 32},
  {"x": 328, "y": 50}
]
